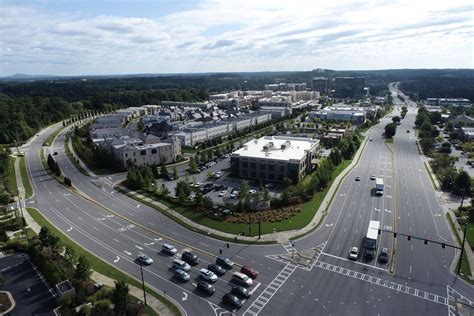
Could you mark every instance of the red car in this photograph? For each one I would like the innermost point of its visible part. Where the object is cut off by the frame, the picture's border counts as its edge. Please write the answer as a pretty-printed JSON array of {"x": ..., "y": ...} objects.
[{"x": 249, "y": 272}]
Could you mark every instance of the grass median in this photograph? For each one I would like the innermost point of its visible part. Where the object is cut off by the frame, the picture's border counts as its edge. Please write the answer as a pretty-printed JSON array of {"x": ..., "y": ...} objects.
[
  {"x": 25, "y": 179},
  {"x": 465, "y": 269},
  {"x": 98, "y": 264}
]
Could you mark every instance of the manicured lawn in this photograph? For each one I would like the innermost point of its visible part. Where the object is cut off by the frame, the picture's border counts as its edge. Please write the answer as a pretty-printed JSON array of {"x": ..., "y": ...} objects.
[
  {"x": 300, "y": 220},
  {"x": 97, "y": 264},
  {"x": 25, "y": 179},
  {"x": 389, "y": 140},
  {"x": 470, "y": 234}
]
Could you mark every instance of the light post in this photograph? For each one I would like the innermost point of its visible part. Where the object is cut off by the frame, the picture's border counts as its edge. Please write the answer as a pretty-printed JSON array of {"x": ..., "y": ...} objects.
[
  {"x": 259, "y": 225},
  {"x": 462, "y": 248},
  {"x": 143, "y": 284}
]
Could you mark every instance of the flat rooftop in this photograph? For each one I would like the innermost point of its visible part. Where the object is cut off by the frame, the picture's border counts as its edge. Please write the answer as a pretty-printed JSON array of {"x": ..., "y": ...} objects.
[{"x": 277, "y": 148}]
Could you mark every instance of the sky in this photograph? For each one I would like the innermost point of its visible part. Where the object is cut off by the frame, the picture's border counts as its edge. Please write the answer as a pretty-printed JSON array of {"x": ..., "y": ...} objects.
[{"x": 100, "y": 37}]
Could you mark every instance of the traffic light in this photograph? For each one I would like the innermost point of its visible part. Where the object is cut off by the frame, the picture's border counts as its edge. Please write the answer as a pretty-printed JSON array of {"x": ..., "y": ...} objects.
[
  {"x": 426, "y": 242},
  {"x": 380, "y": 231},
  {"x": 443, "y": 245},
  {"x": 394, "y": 235},
  {"x": 409, "y": 237},
  {"x": 220, "y": 251},
  {"x": 228, "y": 245}
]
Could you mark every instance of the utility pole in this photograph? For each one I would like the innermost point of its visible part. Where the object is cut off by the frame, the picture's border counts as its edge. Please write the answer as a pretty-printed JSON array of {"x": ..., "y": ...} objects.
[
  {"x": 259, "y": 225},
  {"x": 462, "y": 248},
  {"x": 143, "y": 284}
]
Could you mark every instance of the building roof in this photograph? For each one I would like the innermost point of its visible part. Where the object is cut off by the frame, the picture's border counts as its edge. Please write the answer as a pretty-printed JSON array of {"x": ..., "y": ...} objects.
[{"x": 277, "y": 148}]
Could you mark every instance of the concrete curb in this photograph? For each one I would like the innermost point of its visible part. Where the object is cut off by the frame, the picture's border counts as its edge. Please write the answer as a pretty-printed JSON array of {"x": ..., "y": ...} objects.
[{"x": 12, "y": 300}]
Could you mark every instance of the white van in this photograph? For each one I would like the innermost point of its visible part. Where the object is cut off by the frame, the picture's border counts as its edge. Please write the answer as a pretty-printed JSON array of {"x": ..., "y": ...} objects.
[
  {"x": 180, "y": 264},
  {"x": 242, "y": 279}
]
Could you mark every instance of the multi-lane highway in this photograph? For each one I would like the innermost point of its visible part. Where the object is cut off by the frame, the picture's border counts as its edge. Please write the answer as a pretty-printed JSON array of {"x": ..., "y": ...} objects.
[{"x": 117, "y": 229}]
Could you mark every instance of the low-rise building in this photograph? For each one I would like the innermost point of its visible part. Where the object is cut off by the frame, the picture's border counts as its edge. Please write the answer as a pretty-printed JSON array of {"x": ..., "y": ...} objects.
[
  {"x": 448, "y": 101},
  {"x": 466, "y": 133},
  {"x": 462, "y": 120},
  {"x": 136, "y": 152},
  {"x": 273, "y": 158},
  {"x": 115, "y": 132},
  {"x": 109, "y": 121},
  {"x": 349, "y": 114}
]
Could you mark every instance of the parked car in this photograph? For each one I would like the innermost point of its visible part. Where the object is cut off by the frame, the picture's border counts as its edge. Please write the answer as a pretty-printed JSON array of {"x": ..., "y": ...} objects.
[
  {"x": 357, "y": 178},
  {"x": 190, "y": 258},
  {"x": 354, "y": 253},
  {"x": 181, "y": 275},
  {"x": 383, "y": 256},
  {"x": 218, "y": 270},
  {"x": 232, "y": 300},
  {"x": 205, "y": 287},
  {"x": 144, "y": 259},
  {"x": 240, "y": 291},
  {"x": 242, "y": 279},
  {"x": 252, "y": 191},
  {"x": 169, "y": 249},
  {"x": 208, "y": 275},
  {"x": 249, "y": 272},
  {"x": 226, "y": 263},
  {"x": 222, "y": 193},
  {"x": 372, "y": 177}
]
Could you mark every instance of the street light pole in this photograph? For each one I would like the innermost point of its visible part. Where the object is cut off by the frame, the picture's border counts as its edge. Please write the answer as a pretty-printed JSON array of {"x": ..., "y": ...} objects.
[
  {"x": 259, "y": 225},
  {"x": 462, "y": 248},
  {"x": 143, "y": 284}
]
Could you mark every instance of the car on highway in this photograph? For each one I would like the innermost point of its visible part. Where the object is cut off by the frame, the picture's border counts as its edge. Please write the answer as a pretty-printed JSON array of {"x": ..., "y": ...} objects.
[
  {"x": 169, "y": 249},
  {"x": 383, "y": 256},
  {"x": 208, "y": 275},
  {"x": 190, "y": 258},
  {"x": 241, "y": 278},
  {"x": 232, "y": 300},
  {"x": 357, "y": 178},
  {"x": 240, "y": 291},
  {"x": 205, "y": 287},
  {"x": 218, "y": 270},
  {"x": 144, "y": 259},
  {"x": 180, "y": 264},
  {"x": 224, "y": 262},
  {"x": 249, "y": 272},
  {"x": 408, "y": 131},
  {"x": 370, "y": 139},
  {"x": 372, "y": 177},
  {"x": 222, "y": 193},
  {"x": 354, "y": 253},
  {"x": 182, "y": 275}
]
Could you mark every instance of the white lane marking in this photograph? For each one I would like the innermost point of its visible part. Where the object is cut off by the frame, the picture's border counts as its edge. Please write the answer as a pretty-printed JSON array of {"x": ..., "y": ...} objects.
[
  {"x": 117, "y": 260},
  {"x": 138, "y": 206},
  {"x": 127, "y": 252},
  {"x": 149, "y": 244},
  {"x": 138, "y": 247},
  {"x": 185, "y": 296},
  {"x": 68, "y": 230},
  {"x": 329, "y": 225}
]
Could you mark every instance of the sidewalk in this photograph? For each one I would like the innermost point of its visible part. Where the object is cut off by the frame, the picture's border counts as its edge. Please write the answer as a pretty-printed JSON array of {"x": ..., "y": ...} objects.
[
  {"x": 467, "y": 248},
  {"x": 279, "y": 237}
]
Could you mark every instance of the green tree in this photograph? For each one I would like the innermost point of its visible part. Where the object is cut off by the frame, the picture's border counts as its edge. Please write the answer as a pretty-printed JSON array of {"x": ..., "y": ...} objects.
[
  {"x": 102, "y": 308},
  {"x": 462, "y": 184},
  {"x": 427, "y": 145},
  {"x": 396, "y": 119},
  {"x": 193, "y": 165},
  {"x": 83, "y": 269},
  {"x": 175, "y": 173},
  {"x": 390, "y": 130},
  {"x": 120, "y": 297}
]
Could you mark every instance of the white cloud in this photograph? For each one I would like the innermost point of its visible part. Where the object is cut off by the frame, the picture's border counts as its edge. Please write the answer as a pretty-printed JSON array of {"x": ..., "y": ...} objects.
[{"x": 239, "y": 36}]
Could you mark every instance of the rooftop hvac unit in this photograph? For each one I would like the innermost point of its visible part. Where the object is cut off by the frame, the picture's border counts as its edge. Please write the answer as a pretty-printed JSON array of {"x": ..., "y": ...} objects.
[
  {"x": 268, "y": 146},
  {"x": 285, "y": 145}
]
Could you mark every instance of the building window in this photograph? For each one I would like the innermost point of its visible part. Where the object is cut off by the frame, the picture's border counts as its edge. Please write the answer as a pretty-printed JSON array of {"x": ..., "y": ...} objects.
[
  {"x": 245, "y": 164},
  {"x": 253, "y": 174},
  {"x": 143, "y": 153},
  {"x": 253, "y": 165},
  {"x": 126, "y": 155},
  {"x": 271, "y": 167},
  {"x": 153, "y": 151},
  {"x": 262, "y": 175}
]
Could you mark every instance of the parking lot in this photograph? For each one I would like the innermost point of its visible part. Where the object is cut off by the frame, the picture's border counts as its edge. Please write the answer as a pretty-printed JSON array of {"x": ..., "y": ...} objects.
[
  {"x": 28, "y": 288},
  {"x": 220, "y": 188}
]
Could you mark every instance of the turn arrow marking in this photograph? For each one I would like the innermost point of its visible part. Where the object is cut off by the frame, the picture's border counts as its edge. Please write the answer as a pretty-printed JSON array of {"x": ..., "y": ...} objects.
[
  {"x": 116, "y": 260},
  {"x": 185, "y": 296},
  {"x": 68, "y": 230}
]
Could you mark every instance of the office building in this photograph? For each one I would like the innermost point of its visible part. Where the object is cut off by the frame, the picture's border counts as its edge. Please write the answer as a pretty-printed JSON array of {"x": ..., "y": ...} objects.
[
  {"x": 273, "y": 158},
  {"x": 321, "y": 85}
]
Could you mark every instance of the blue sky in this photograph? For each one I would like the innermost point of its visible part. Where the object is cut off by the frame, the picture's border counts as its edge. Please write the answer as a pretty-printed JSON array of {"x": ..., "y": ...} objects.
[{"x": 118, "y": 37}]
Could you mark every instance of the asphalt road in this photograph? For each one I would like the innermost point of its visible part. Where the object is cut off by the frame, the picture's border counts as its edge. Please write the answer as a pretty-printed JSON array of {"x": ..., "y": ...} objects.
[{"x": 326, "y": 284}]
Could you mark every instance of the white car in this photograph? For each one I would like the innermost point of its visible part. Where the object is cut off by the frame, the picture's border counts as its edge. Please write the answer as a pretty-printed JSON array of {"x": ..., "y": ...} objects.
[
  {"x": 208, "y": 275},
  {"x": 222, "y": 193},
  {"x": 169, "y": 249},
  {"x": 354, "y": 253},
  {"x": 252, "y": 191},
  {"x": 144, "y": 259}
]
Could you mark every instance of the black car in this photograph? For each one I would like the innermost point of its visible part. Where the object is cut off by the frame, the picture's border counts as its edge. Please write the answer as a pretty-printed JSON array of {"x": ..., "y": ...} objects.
[
  {"x": 218, "y": 270},
  {"x": 232, "y": 300},
  {"x": 383, "y": 256},
  {"x": 190, "y": 258},
  {"x": 205, "y": 287},
  {"x": 240, "y": 292},
  {"x": 226, "y": 263}
]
